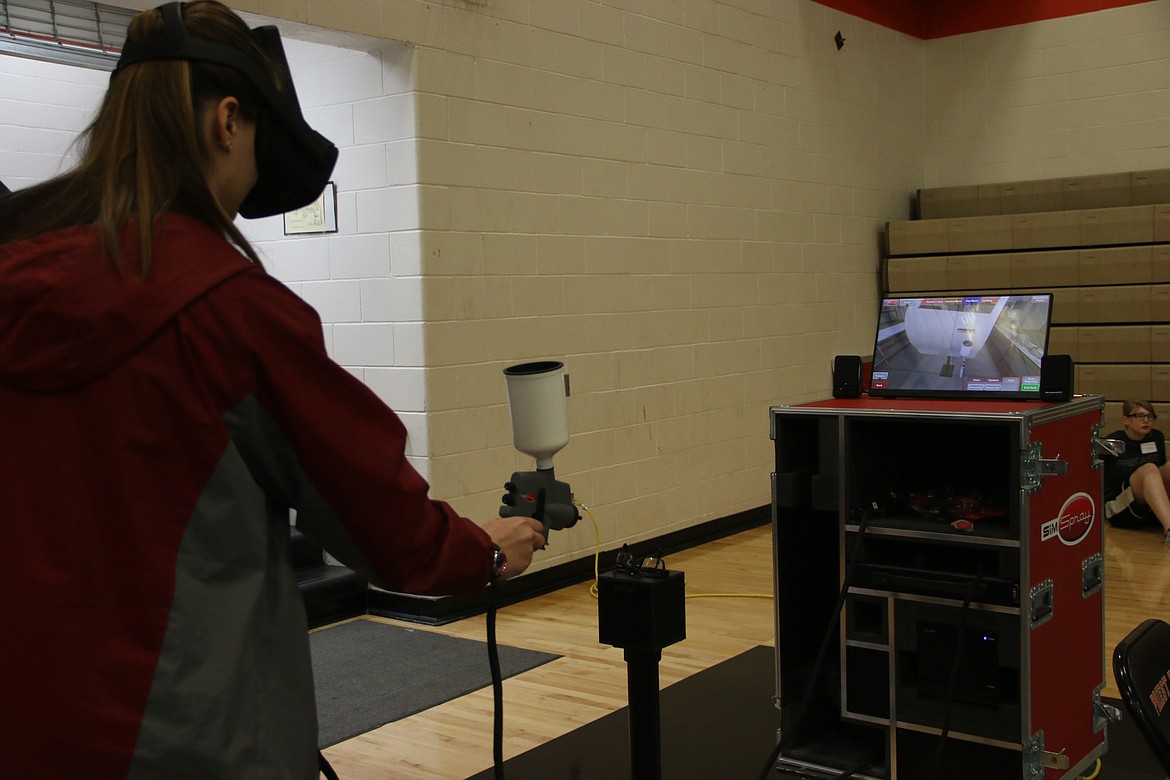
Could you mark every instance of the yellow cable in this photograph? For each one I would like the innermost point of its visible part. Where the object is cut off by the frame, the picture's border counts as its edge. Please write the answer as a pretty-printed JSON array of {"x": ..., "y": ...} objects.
[
  {"x": 597, "y": 568},
  {"x": 1096, "y": 771},
  {"x": 596, "y": 549}
]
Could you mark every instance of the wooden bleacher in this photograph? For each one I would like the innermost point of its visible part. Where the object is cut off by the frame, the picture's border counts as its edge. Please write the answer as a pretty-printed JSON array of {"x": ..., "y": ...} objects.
[{"x": 1100, "y": 244}]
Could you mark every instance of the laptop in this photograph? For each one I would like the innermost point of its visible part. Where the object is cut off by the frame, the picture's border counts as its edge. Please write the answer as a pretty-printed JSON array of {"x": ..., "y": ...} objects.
[{"x": 961, "y": 346}]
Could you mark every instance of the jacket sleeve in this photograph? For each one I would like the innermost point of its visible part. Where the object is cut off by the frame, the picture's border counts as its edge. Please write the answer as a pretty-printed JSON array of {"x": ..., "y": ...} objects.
[{"x": 320, "y": 441}]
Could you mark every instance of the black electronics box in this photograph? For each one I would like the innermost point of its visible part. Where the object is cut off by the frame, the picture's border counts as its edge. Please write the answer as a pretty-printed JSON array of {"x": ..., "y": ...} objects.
[
  {"x": 1057, "y": 375},
  {"x": 847, "y": 376},
  {"x": 977, "y": 678},
  {"x": 646, "y": 611}
]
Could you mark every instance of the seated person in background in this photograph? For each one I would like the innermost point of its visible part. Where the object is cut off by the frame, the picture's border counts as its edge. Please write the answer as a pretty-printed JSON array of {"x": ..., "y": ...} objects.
[{"x": 1135, "y": 481}]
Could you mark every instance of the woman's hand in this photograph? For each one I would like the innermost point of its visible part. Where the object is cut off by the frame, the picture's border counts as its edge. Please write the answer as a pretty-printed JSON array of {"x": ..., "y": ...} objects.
[{"x": 519, "y": 538}]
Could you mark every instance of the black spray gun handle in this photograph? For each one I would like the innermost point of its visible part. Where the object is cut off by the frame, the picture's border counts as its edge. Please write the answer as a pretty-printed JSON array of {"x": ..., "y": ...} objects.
[{"x": 538, "y": 494}]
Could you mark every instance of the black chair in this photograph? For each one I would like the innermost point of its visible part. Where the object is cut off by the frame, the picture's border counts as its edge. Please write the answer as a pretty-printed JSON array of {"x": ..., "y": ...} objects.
[{"x": 1141, "y": 664}]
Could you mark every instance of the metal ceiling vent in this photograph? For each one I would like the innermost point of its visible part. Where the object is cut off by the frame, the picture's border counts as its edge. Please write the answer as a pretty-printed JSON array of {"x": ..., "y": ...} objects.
[{"x": 67, "y": 31}]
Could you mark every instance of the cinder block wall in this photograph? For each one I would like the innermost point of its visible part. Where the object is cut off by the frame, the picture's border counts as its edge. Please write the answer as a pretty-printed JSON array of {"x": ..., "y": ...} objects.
[
  {"x": 1087, "y": 94},
  {"x": 680, "y": 198},
  {"x": 681, "y": 201},
  {"x": 43, "y": 107}
]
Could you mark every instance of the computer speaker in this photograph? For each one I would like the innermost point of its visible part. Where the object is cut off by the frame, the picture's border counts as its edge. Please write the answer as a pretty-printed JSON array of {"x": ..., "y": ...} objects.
[
  {"x": 1056, "y": 378},
  {"x": 847, "y": 376}
]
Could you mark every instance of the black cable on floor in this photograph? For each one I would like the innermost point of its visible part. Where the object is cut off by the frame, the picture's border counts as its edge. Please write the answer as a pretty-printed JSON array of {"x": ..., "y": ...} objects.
[
  {"x": 497, "y": 686},
  {"x": 497, "y": 697},
  {"x": 826, "y": 640}
]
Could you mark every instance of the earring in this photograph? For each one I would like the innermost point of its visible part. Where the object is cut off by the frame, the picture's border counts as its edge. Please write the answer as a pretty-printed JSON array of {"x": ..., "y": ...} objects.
[{"x": 227, "y": 147}]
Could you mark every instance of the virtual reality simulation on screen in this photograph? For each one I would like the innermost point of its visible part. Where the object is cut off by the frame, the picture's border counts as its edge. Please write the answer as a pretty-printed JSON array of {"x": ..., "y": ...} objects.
[{"x": 961, "y": 346}]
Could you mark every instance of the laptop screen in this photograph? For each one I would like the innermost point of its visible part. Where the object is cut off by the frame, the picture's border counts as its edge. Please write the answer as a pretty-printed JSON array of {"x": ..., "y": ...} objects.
[{"x": 961, "y": 346}]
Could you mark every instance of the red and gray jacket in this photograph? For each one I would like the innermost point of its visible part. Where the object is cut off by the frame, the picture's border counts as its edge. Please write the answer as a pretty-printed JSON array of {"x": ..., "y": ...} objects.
[{"x": 153, "y": 435}]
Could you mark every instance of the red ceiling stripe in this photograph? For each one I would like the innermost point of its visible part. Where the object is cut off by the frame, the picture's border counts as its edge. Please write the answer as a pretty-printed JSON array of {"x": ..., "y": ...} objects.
[
  {"x": 905, "y": 16},
  {"x": 940, "y": 18},
  {"x": 955, "y": 17}
]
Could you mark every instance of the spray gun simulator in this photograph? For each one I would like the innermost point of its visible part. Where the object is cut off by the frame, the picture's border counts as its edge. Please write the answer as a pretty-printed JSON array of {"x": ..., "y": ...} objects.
[
  {"x": 640, "y": 604},
  {"x": 540, "y": 428}
]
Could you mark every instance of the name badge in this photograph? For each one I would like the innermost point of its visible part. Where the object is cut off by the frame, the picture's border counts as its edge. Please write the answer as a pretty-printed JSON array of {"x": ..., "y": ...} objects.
[{"x": 1149, "y": 447}]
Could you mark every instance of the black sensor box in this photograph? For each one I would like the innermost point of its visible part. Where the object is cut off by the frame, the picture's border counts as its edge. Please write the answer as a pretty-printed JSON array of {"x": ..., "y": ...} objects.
[{"x": 641, "y": 612}]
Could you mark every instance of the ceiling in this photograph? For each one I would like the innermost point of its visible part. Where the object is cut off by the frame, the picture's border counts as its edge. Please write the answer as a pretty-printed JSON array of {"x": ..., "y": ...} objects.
[{"x": 941, "y": 18}]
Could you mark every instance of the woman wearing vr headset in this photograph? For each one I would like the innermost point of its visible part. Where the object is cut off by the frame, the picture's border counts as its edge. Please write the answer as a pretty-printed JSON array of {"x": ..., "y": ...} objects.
[{"x": 163, "y": 403}]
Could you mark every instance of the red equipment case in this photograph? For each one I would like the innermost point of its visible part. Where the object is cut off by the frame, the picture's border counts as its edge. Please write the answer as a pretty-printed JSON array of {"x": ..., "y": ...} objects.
[{"x": 971, "y": 638}]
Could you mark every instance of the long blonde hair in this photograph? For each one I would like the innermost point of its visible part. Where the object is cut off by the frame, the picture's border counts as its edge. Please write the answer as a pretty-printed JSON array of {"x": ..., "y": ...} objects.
[{"x": 143, "y": 155}]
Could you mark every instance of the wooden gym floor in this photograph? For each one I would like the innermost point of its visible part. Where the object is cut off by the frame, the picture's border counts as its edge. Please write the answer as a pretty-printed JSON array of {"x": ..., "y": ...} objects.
[{"x": 453, "y": 740}]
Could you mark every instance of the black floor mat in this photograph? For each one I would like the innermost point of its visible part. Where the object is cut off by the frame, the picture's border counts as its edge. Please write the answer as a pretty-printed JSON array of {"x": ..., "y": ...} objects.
[{"x": 720, "y": 724}]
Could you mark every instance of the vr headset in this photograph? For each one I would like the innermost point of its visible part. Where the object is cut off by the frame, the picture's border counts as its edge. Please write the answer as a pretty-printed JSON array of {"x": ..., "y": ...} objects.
[{"x": 294, "y": 161}]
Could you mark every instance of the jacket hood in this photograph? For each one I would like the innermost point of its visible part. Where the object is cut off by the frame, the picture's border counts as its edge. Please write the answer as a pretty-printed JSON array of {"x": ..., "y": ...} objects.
[{"x": 68, "y": 317}]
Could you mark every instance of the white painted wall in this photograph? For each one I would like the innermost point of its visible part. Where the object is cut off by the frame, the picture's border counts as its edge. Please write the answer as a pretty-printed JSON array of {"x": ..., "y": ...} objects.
[
  {"x": 42, "y": 109},
  {"x": 367, "y": 291},
  {"x": 365, "y": 280}
]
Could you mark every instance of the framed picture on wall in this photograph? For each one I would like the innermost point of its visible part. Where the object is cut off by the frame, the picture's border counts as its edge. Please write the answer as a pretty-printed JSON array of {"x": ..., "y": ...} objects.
[{"x": 320, "y": 216}]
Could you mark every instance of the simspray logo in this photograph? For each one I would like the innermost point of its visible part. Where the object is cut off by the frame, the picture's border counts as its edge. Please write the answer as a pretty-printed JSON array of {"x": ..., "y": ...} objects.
[{"x": 1074, "y": 521}]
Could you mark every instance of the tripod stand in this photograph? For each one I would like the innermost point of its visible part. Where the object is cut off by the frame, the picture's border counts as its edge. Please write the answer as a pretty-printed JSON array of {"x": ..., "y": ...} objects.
[{"x": 641, "y": 608}]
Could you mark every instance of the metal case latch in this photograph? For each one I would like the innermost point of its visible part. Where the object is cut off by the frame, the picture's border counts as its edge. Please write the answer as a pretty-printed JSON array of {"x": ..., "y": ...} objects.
[
  {"x": 1033, "y": 770},
  {"x": 1054, "y": 760},
  {"x": 1040, "y": 599},
  {"x": 1092, "y": 574},
  {"x": 1103, "y": 448},
  {"x": 1034, "y": 467},
  {"x": 1037, "y": 759},
  {"x": 1103, "y": 713}
]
